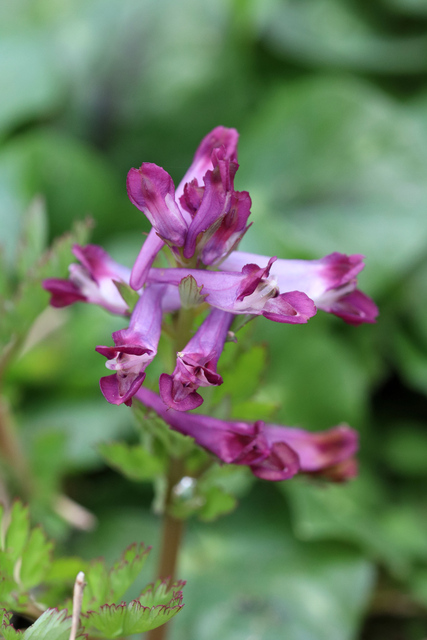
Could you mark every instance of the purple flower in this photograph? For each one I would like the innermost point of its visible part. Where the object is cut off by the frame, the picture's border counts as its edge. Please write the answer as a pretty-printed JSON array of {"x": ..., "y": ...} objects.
[
  {"x": 219, "y": 213},
  {"x": 91, "y": 281},
  {"x": 135, "y": 347},
  {"x": 196, "y": 364},
  {"x": 175, "y": 215},
  {"x": 151, "y": 190},
  {"x": 330, "y": 282},
  {"x": 248, "y": 292},
  {"x": 272, "y": 452}
]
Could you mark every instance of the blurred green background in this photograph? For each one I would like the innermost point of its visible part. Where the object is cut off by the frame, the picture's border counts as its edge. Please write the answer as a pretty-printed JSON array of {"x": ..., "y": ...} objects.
[{"x": 330, "y": 99}]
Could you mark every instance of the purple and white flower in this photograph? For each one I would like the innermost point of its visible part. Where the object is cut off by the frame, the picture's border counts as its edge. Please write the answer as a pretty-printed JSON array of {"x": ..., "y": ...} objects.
[
  {"x": 204, "y": 203},
  {"x": 134, "y": 348},
  {"x": 196, "y": 364},
  {"x": 249, "y": 292},
  {"x": 90, "y": 281},
  {"x": 330, "y": 282}
]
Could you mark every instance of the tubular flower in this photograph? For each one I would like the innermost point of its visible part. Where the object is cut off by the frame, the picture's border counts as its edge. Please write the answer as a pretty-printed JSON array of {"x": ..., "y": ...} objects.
[
  {"x": 196, "y": 364},
  {"x": 249, "y": 292},
  {"x": 204, "y": 202},
  {"x": 272, "y": 452},
  {"x": 330, "y": 282},
  {"x": 134, "y": 348},
  {"x": 90, "y": 281}
]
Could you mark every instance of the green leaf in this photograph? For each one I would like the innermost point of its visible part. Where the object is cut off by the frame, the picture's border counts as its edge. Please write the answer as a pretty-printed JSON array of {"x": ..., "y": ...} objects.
[
  {"x": 133, "y": 461},
  {"x": 17, "y": 531},
  {"x": 6, "y": 629},
  {"x": 190, "y": 294},
  {"x": 31, "y": 299},
  {"x": 128, "y": 294},
  {"x": 36, "y": 559},
  {"x": 354, "y": 513},
  {"x": 97, "y": 585},
  {"x": 52, "y": 625},
  {"x": 238, "y": 386},
  {"x": 334, "y": 33},
  {"x": 114, "y": 621},
  {"x": 33, "y": 237},
  {"x": 124, "y": 572},
  {"x": 160, "y": 592},
  {"x": 172, "y": 442},
  {"x": 217, "y": 503},
  {"x": 27, "y": 56}
]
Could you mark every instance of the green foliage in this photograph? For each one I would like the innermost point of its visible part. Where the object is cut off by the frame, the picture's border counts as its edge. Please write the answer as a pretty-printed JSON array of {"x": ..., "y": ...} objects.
[
  {"x": 107, "y": 587},
  {"x": 34, "y": 264},
  {"x": 25, "y": 558},
  {"x": 51, "y": 625},
  {"x": 135, "y": 462},
  {"x": 115, "y": 621},
  {"x": 330, "y": 99},
  {"x": 190, "y": 294},
  {"x": 26, "y": 562},
  {"x": 130, "y": 296}
]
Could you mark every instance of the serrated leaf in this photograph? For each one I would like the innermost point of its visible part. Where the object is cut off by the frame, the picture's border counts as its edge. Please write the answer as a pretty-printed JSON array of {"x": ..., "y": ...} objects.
[
  {"x": 36, "y": 559},
  {"x": 190, "y": 294},
  {"x": 124, "y": 572},
  {"x": 114, "y": 621},
  {"x": 133, "y": 461},
  {"x": 129, "y": 295},
  {"x": 110, "y": 620},
  {"x": 160, "y": 592},
  {"x": 52, "y": 625},
  {"x": 6, "y": 629},
  {"x": 17, "y": 531},
  {"x": 33, "y": 238},
  {"x": 97, "y": 585}
]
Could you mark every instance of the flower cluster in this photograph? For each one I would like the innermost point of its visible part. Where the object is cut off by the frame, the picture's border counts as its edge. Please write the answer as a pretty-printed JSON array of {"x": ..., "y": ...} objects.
[{"x": 201, "y": 222}]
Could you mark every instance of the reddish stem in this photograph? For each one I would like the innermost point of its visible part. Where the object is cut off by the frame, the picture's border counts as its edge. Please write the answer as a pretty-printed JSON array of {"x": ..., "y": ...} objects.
[{"x": 171, "y": 541}]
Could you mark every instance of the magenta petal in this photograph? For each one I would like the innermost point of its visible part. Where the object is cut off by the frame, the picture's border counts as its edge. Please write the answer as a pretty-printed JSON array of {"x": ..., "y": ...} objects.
[
  {"x": 293, "y": 308},
  {"x": 231, "y": 231},
  {"x": 110, "y": 389},
  {"x": 355, "y": 308},
  {"x": 151, "y": 189},
  {"x": 149, "y": 250},
  {"x": 188, "y": 403},
  {"x": 281, "y": 464},
  {"x": 272, "y": 452},
  {"x": 99, "y": 263},
  {"x": 215, "y": 139},
  {"x": 63, "y": 292},
  {"x": 216, "y": 201},
  {"x": 317, "y": 451}
]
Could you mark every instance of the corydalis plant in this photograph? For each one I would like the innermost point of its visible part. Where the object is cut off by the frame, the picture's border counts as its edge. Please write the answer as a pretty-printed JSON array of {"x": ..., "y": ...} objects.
[{"x": 201, "y": 223}]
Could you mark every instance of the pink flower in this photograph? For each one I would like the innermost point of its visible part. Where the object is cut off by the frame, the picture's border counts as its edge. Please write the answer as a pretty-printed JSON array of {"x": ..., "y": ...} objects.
[
  {"x": 204, "y": 203},
  {"x": 249, "y": 292},
  {"x": 330, "y": 282},
  {"x": 272, "y": 452},
  {"x": 196, "y": 364},
  {"x": 90, "y": 281},
  {"x": 134, "y": 348}
]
